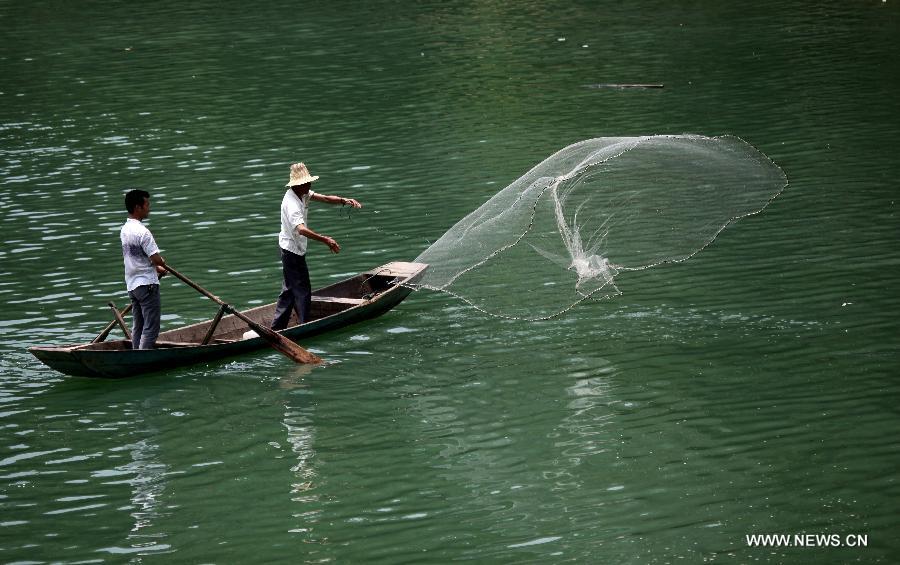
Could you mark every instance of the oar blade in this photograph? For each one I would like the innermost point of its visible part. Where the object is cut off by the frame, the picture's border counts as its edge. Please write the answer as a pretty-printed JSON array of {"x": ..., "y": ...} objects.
[{"x": 287, "y": 347}]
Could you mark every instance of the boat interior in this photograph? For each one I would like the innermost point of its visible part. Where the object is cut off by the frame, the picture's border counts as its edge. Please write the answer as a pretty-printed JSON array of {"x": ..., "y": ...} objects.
[{"x": 326, "y": 301}]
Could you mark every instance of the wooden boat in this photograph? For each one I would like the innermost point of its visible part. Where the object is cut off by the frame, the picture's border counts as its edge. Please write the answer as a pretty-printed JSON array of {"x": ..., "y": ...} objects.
[{"x": 353, "y": 300}]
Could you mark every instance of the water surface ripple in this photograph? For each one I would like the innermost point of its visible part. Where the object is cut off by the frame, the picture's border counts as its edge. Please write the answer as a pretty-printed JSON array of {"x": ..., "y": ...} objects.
[{"x": 750, "y": 390}]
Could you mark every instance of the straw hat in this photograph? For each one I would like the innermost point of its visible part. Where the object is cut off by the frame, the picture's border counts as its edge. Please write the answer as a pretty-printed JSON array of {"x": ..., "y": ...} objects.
[{"x": 299, "y": 175}]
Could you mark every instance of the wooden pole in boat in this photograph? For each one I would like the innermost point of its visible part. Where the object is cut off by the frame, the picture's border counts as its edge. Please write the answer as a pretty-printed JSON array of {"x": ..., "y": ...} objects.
[
  {"x": 120, "y": 320},
  {"x": 213, "y": 325},
  {"x": 282, "y": 344},
  {"x": 102, "y": 335}
]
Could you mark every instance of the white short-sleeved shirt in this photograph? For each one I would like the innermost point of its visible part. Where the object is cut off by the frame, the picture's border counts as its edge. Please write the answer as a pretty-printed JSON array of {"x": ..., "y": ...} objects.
[
  {"x": 137, "y": 247},
  {"x": 293, "y": 213}
]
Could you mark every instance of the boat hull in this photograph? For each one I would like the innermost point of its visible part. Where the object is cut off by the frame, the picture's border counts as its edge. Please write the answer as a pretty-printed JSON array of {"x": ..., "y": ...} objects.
[{"x": 117, "y": 360}]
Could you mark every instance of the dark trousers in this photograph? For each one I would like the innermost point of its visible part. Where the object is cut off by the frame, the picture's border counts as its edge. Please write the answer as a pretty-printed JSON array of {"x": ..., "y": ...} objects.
[
  {"x": 296, "y": 293},
  {"x": 145, "y": 311}
]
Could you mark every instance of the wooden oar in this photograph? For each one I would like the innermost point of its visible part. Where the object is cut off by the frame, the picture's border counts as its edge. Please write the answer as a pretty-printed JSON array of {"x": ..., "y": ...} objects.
[
  {"x": 285, "y": 346},
  {"x": 120, "y": 320},
  {"x": 102, "y": 335}
]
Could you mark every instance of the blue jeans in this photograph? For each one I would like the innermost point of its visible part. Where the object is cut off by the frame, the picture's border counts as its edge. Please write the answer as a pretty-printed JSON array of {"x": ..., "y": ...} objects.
[
  {"x": 296, "y": 293},
  {"x": 145, "y": 310}
]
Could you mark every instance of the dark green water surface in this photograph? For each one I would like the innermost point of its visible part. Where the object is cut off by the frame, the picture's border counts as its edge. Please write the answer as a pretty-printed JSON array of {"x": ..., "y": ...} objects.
[{"x": 751, "y": 390}]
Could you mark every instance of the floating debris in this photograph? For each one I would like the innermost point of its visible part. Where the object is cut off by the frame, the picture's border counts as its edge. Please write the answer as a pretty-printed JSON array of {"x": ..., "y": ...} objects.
[{"x": 612, "y": 85}]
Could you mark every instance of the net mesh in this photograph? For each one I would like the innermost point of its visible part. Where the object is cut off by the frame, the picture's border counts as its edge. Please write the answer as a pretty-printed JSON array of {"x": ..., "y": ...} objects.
[{"x": 562, "y": 232}]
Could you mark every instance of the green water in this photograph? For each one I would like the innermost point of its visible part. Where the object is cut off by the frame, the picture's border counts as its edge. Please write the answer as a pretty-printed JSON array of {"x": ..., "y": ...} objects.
[{"x": 750, "y": 390}]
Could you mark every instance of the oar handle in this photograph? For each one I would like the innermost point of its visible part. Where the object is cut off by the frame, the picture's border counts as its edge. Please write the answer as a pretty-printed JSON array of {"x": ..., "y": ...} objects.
[{"x": 199, "y": 289}]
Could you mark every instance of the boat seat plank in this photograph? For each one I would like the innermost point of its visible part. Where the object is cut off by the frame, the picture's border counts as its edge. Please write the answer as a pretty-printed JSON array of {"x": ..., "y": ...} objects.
[
  {"x": 162, "y": 343},
  {"x": 396, "y": 269},
  {"x": 337, "y": 300}
]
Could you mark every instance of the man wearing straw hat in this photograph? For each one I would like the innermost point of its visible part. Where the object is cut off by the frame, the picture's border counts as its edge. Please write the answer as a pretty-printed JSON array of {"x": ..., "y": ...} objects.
[{"x": 296, "y": 293}]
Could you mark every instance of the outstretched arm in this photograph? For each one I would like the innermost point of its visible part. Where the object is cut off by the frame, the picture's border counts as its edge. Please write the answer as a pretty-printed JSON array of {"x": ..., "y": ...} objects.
[{"x": 336, "y": 200}]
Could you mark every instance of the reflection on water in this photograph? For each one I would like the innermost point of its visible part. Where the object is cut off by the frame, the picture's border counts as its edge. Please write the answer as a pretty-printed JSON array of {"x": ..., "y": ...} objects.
[
  {"x": 147, "y": 477},
  {"x": 301, "y": 438},
  {"x": 590, "y": 411}
]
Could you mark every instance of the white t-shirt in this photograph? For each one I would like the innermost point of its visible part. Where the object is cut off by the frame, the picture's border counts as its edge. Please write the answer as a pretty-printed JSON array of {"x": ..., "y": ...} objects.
[
  {"x": 293, "y": 213},
  {"x": 137, "y": 247}
]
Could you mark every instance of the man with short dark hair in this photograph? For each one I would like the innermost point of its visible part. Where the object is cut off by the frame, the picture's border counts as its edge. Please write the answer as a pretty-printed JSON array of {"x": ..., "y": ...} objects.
[
  {"x": 143, "y": 267},
  {"x": 296, "y": 294}
]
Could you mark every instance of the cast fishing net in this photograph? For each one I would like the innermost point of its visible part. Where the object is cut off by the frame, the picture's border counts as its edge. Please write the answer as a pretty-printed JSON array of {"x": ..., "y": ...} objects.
[{"x": 562, "y": 232}]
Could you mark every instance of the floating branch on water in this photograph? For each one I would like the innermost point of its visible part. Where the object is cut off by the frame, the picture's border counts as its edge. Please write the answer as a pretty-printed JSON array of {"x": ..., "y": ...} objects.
[{"x": 611, "y": 85}]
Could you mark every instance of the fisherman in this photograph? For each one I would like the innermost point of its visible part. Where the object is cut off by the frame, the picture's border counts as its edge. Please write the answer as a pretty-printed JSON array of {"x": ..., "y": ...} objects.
[
  {"x": 143, "y": 267},
  {"x": 296, "y": 293}
]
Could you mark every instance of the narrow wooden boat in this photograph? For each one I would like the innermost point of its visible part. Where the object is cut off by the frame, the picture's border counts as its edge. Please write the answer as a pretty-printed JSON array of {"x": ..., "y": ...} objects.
[{"x": 353, "y": 300}]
